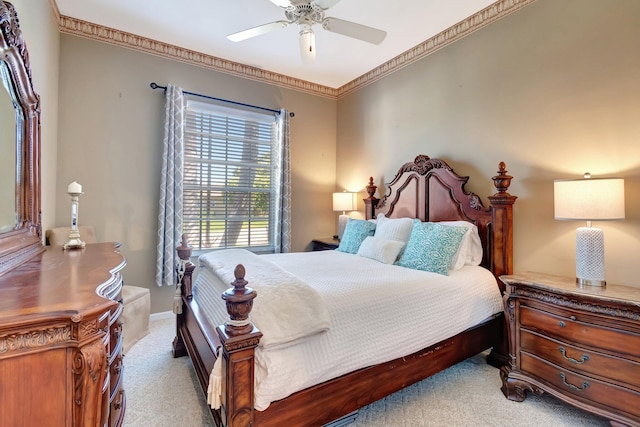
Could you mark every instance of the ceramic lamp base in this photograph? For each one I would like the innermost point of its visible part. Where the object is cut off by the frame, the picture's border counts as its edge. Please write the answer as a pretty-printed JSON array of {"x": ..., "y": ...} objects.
[
  {"x": 590, "y": 257},
  {"x": 342, "y": 224}
]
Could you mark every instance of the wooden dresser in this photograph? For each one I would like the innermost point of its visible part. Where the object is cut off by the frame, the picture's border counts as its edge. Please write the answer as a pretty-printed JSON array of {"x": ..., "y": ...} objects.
[
  {"x": 580, "y": 344},
  {"x": 61, "y": 339}
]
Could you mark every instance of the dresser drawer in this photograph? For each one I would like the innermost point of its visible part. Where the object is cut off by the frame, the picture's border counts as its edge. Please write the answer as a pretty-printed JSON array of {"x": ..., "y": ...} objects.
[
  {"x": 581, "y": 387},
  {"x": 576, "y": 329},
  {"x": 606, "y": 367}
]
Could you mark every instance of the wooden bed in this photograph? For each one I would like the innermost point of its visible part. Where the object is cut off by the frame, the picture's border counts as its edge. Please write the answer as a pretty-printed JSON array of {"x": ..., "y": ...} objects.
[{"x": 427, "y": 189}]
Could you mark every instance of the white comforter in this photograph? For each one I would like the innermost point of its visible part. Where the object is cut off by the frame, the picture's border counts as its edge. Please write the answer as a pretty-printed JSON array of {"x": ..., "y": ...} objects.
[
  {"x": 377, "y": 313},
  {"x": 288, "y": 308}
]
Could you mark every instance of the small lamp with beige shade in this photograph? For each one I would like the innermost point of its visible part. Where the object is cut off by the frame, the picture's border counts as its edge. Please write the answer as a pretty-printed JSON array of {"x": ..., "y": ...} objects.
[{"x": 343, "y": 202}]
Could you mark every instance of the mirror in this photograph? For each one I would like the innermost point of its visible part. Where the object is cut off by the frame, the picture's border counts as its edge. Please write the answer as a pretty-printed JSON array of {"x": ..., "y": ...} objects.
[
  {"x": 20, "y": 228},
  {"x": 7, "y": 159}
]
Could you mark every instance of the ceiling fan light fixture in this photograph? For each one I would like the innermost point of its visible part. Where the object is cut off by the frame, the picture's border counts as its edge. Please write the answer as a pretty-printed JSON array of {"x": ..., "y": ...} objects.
[
  {"x": 307, "y": 45},
  {"x": 306, "y": 14}
]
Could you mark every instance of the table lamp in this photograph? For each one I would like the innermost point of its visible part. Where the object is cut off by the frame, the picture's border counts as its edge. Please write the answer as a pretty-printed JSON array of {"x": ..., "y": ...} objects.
[
  {"x": 344, "y": 202},
  {"x": 589, "y": 199}
]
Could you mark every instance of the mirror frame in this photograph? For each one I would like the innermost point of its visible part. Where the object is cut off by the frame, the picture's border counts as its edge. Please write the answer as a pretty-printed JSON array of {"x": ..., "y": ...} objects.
[{"x": 24, "y": 241}]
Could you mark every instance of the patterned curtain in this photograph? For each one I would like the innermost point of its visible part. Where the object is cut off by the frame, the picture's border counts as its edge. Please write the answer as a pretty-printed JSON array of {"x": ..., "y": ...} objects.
[
  {"x": 282, "y": 185},
  {"x": 170, "y": 215}
]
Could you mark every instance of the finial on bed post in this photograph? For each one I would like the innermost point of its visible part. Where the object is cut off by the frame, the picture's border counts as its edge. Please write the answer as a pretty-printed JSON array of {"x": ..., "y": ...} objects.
[
  {"x": 239, "y": 301},
  {"x": 502, "y": 181},
  {"x": 372, "y": 201}
]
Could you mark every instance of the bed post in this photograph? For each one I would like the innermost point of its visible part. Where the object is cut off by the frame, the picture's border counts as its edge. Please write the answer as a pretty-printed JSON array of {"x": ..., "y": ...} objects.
[
  {"x": 239, "y": 338},
  {"x": 184, "y": 271},
  {"x": 502, "y": 249},
  {"x": 502, "y": 220}
]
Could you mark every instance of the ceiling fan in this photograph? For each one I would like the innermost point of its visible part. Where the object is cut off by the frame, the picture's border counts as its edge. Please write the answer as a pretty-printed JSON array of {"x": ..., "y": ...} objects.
[{"x": 306, "y": 14}]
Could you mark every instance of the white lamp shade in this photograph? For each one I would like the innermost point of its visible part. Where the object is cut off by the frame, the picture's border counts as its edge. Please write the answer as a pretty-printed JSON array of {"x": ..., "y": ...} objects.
[
  {"x": 589, "y": 199},
  {"x": 344, "y": 201}
]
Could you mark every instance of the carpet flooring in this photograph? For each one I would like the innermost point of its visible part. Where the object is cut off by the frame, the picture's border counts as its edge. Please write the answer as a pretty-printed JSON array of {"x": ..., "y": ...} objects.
[{"x": 163, "y": 392}]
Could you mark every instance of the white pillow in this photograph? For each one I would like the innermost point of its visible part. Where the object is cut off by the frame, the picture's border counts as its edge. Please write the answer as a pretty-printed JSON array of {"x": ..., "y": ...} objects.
[
  {"x": 383, "y": 250},
  {"x": 470, "y": 250},
  {"x": 394, "y": 228}
]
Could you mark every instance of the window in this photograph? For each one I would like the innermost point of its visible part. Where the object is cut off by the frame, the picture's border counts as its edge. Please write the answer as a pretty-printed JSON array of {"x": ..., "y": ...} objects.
[{"x": 228, "y": 194}]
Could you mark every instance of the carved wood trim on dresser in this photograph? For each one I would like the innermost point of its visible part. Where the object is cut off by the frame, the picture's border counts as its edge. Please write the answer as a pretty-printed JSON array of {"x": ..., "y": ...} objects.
[
  {"x": 61, "y": 339},
  {"x": 580, "y": 344}
]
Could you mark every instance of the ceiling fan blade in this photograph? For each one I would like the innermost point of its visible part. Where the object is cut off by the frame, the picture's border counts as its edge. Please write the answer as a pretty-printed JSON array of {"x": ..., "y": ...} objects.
[
  {"x": 256, "y": 31},
  {"x": 281, "y": 3},
  {"x": 351, "y": 29},
  {"x": 324, "y": 4}
]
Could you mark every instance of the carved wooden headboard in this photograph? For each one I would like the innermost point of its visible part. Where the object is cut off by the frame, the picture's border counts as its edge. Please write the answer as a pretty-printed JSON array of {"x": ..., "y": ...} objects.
[{"x": 429, "y": 189}]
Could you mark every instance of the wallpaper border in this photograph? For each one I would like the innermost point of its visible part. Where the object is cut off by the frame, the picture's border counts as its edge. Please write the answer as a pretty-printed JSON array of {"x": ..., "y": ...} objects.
[{"x": 491, "y": 13}]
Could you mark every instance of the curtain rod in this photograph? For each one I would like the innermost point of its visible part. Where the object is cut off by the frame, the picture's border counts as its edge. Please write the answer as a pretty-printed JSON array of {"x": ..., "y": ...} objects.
[{"x": 157, "y": 86}]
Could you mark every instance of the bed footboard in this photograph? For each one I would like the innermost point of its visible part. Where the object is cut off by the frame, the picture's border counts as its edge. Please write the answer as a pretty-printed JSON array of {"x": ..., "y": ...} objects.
[{"x": 237, "y": 339}]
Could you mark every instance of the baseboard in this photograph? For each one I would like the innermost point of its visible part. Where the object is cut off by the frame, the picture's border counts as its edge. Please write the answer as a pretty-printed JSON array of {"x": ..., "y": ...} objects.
[{"x": 161, "y": 316}]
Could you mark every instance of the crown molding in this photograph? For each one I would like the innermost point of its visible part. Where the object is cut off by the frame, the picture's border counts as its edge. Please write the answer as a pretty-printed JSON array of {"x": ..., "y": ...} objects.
[
  {"x": 493, "y": 12},
  {"x": 77, "y": 27}
]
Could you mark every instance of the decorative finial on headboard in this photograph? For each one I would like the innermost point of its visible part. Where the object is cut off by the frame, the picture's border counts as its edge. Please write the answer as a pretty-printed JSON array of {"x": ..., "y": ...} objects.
[
  {"x": 371, "y": 188},
  {"x": 502, "y": 181}
]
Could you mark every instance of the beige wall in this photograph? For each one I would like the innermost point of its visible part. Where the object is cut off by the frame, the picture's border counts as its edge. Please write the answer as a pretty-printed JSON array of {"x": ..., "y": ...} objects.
[
  {"x": 553, "y": 90},
  {"x": 111, "y": 136},
  {"x": 40, "y": 32}
]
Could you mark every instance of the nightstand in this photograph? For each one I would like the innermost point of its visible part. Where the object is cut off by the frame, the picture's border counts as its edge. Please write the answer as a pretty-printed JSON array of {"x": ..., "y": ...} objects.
[
  {"x": 580, "y": 344},
  {"x": 325, "y": 244}
]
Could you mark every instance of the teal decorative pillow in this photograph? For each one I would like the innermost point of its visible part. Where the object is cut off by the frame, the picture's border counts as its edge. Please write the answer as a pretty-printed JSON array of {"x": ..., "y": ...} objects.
[
  {"x": 354, "y": 234},
  {"x": 431, "y": 247}
]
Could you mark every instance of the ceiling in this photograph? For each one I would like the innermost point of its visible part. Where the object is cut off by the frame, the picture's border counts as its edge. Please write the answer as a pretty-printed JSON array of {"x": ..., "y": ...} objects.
[{"x": 202, "y": 25}]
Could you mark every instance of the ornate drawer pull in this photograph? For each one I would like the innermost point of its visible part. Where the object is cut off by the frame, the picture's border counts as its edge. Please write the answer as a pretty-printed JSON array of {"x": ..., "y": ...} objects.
[
  {"x": 583, "y": 359},
  {"x": 117, "y": 369},
  {"x": 117, "y": 330},
  {"x": 585, "y": 385},
  {"x": 562, "y": 324},
  {"x": 572, "y": 317}
]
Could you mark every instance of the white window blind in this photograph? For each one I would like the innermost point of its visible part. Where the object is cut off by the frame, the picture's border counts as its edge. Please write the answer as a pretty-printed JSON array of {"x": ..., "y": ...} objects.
[{"x": 227, "y": 177}]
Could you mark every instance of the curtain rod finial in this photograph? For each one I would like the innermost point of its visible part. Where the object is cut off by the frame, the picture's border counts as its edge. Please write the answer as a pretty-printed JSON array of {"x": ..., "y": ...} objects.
[{"x": 154, "y": 85}]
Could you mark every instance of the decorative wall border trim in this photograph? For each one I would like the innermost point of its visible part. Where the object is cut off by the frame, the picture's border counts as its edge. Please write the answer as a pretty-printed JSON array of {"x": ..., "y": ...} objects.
[
  {"x": 493, "y": 12},
  {"x": 97, "y": 32}
]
